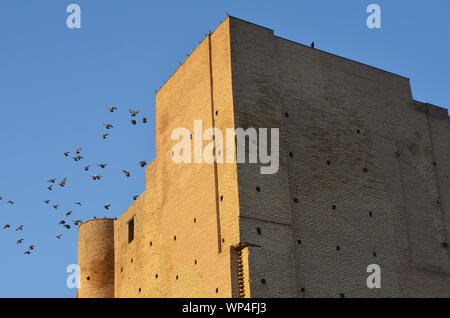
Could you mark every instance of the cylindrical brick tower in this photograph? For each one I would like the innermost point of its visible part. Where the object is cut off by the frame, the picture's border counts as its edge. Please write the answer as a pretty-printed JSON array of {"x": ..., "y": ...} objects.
[{"x": 96, "y": 258}]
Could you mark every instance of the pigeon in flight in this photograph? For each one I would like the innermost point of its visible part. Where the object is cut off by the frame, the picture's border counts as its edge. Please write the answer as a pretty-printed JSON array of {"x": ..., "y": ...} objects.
[
  {"x": 108, "y": 126},
  {"x": 96, "y": 177},
  {"x": 62, "y": 222},
  {"x": 79, "y": 203},
  {"x": 127, "y": 173},
  {"x": 27, "y": 253},
  {"x": 31, "y": 247},
  {"x": 133, "y": 112},
  {"x": 112, "y": 108},
  {"x": 135, "y": 197},
  {"x": 144, "y": 120},
  {"x": 63, "y": 182},
  {"x": 20, "y": 228},
  {"x": 67, "y": 226},
  {"x": 104, "y": 136},
  {"x": 143, "y": 163},
  {"x": 107, "y": 206},
  {"x": 7, "y": 226},
  {"x": 19, "y": 241},
  {"x": 77, "y": 158},
  {"x": 47, "y": 201},
  {"x": 50, "y": 187},
  {"x": 10, "y": 202},
  {"x": 56, "y": 206},
  {"x": 77, "y": 151},
  {"x": 133, "y": 121},
  {"x": 86, "y": 168},
  {"x": 66, "y": 154},
  {"x": 69, "y": 213},
  {"x": 102, "y": 165},
  {"x": 58, "y": 236},
  {"x": 52, "y": 180}
]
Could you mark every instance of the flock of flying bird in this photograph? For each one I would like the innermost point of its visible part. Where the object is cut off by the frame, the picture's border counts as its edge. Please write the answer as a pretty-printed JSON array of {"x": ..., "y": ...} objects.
[{"x": 78, "y": 157}]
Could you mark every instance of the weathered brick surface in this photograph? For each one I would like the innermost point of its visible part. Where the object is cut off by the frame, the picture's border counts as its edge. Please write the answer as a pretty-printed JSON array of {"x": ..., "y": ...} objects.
[{"x": 364, "y": 178}]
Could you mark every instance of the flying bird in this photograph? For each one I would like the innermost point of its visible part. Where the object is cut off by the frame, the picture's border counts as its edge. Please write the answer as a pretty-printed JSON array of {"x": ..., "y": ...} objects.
[
  {"x": 66, "y": 154},
  {"x": 96, "y": 177},
  {"x": 62, "y": 222},
  {"x": 67, "y": 226},
  {"x": 143, "y": 163},
  {"x": 52, "y": 180},
  {"x": 77, "y": 151},
  {"x": 63, "y": 182},
  {"x": 7, "y": 226},
  {"x": 78, "y": 203},
  {"x": 104, "y": 136},
  {"x": 50, "y": 187},
  {"x": 108, "y": 126},
  {"x": 31, "y": 247},
  {"x": 20, "y": 228},
  {"x": 47, "y": 201},
  {"x": 86, "y": 168},
  {"x": 77, "y": 158},
  {"x": 144, "y": 120},
  {"x": 127, "y": 173},
  {"x": 76, "y": 222},
  {"x": 58, "y": 236},
  {"x": 133, "y": 121},
  {"x": 133, "y": 112},
  {"x": 56, "y": 206},
  {"x": 27, "y": 253},
  {"x": 112, "y": 108},
  {"x": 102, "y": 165},
  {"x": 68, "y": 213},
  {"x": 10, "y": 202},
  {"x": 19, "y": 241},
  {"x": 135, "y": 197},
  {"x": 107, "y": 206}
]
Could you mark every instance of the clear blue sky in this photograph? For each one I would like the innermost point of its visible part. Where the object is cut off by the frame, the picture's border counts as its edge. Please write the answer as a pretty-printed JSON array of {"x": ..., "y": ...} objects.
[{"x": 55, "y": 84}]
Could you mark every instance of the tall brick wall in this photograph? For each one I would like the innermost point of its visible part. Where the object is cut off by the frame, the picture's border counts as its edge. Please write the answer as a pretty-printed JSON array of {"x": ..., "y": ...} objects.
[{"x": 364, "y": 178}]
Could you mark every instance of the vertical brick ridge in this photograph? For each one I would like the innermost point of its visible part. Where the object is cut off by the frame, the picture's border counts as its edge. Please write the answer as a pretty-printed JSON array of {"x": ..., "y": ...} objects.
[
  {"x": 438, "y": 186},
  {"x": 216, "y": 181}
]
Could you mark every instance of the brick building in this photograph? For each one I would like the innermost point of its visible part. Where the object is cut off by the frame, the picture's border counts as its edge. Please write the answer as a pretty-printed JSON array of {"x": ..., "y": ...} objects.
[{"x": 364, "y": 178}]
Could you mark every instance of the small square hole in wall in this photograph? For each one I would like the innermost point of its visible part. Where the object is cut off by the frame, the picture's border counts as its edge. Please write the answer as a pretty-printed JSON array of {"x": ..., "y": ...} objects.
[
  {"x": 195, "y": 220},
  {"x": 131, "y": 260},
  {"x": 295, "y": 200},
  {"x": 329, "y": 162},
  {"x": 342, "y": 295},
  {"x": 195, "y": 262},
  {"x": 333, "y": 207},
  {"x": 434, "y": 163},
  {"x": 258, "y": 230},
  {"x": 299, "y": 242},
  {"x": 258, "y": 189},
  {"x": 286, "y": 114},
  {"x": 221, "y": 198},
  {"x": 217, "y": 290},
  {"x": 374, "y": 254},
  {"x": 88, "y": 278},
  {"x": 121, "y": 269},
  {"x": 151, "y": 243},
  {"x": 263, "y": 281},
  {"x": 176, "y": 277},
  {"x": 338, "y": 248},
  {"x": 156, "y": 275},
  {"x": 302, "y": 290},
  {"x": 358, "y": 131},
  {"x": 444, "y": 244},
  {"x": 223, "y": 240},
  {"x": 140, "y": 290},
  {"x": 174, "y": 237},
  {"x": 365, "y": 170},
  {"x": 217, "y": 112},
  {"x": 370, "y": 213},
  {"x": 291, "y": 155}
]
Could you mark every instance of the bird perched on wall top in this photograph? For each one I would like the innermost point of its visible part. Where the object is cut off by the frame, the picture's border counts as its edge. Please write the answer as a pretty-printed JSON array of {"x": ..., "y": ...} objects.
[{"x": 312, "y": 44}]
